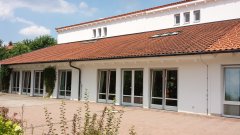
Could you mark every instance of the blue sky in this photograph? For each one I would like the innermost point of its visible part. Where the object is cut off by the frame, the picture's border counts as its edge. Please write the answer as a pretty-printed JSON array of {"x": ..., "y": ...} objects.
[{"x": 22, "y": 19}]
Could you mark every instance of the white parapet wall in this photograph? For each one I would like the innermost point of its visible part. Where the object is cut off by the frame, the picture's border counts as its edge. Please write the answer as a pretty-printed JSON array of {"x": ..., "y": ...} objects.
[{"x": 211, "y": 11}]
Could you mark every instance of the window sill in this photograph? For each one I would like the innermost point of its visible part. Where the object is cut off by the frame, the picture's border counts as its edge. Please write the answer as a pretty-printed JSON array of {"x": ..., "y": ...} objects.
[
  {"x": 177, "y": 24},
  {"x": 197, "y": 21}
]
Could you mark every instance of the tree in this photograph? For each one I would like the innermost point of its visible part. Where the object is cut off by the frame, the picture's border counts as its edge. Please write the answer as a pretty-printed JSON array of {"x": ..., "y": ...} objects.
[
  {"x": 1, "y": 43},
  {"x": 18, "y": 49},
  {"x": 42, "y": 42},
  {"x": 26, "y": 45},
  {"x": 3, "y": 50}
]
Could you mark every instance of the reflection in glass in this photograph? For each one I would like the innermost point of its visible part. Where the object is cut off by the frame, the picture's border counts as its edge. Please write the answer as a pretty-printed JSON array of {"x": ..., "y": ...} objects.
[
  {"x": 127, "y": 83},
  {"x": 138, "y": 83},
  {"x": 232, "y": 84},
  {"x": 157, "y": 88},
  {"x": 171, "y": 90}
]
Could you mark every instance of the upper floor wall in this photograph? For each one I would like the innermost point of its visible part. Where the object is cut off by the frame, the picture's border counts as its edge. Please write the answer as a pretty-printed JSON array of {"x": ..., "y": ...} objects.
[{"x": 162, "y": 18}]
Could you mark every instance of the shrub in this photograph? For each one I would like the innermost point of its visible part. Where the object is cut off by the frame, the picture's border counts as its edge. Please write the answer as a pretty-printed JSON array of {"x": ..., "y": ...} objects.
[
  {"x": 49, "y": 79},
  {"x": 9, "y": 125},
  {"x": 108, "y": 123}
]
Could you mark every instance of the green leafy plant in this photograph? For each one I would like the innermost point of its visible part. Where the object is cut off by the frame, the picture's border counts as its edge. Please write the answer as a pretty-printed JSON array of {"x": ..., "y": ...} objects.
[
  {"x": 9, "y": 125},
  {"x": 108, "y": 123},
  {"x": 49, "y": 79},
  {"x": 5, "y": 75}
]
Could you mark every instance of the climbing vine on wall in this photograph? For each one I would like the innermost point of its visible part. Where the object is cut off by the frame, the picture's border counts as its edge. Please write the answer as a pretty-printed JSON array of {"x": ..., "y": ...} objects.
[
  {"x": 49, "y": 79},
  {"x": 5, "y": 75}
]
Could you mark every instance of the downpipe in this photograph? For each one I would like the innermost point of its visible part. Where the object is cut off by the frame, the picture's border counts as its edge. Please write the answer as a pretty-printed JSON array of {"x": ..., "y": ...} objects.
[{"x": 79, "y": 80}]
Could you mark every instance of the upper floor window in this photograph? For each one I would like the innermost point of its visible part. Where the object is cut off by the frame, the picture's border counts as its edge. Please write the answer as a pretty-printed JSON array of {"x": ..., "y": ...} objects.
[
  {"x": 99, "y": 32},
  {"x": 187, "y": 17},
  {"x": 105, "y": 31},
  {"x": 94, "y": 33},
  {"x": 197, "y": 15},
  {"x": 177, "y": 19}
]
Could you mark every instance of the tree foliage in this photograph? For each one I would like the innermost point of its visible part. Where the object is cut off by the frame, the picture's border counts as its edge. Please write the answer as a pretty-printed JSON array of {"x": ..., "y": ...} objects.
[
  {"x": 26, "y": 45},
  {"x": 49, "y": 79},
  {"x": 18, "y": 49},
  {"x": 41, "y": 42}
]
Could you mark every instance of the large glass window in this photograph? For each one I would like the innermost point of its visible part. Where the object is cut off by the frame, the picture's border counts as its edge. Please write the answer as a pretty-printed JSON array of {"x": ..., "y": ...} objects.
[
  {"x": 65, "y": 84},
  {"x": 107, "y": 86},
  {"x": 26, "y": 82},
  {"x": 132, "y": 87},
  {"x": 232, "y": 91},
  {"x": 164, "y": 89},
  {"x": 15, "y": 81},
  {"x": 38, "y": 83}
]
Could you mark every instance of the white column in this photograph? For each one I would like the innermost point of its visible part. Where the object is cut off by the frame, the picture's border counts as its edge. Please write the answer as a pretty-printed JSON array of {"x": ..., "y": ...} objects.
[
  {"x": 10, "y": 84},
  {"x": 146, "y": 87},
  {"x": 118, "y": 86},
  {"x": 75, "y": 84},
  {"x": 32, "y": 83},
  {"x": 20, "y": 82}
]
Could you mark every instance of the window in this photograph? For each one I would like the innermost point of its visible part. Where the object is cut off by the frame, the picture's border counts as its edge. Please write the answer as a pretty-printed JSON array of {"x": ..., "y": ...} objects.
[
  {"x": 232, "y": 91},
  {"x": 107, "y": 86},
  {"x": 65, "y": 84},
  {"x": 177, "y": 19},
  {"x": 187, "y": 17},
  {"x": 164, "y": 89},
  {"x": 105, "y": 31},
  {"x": 99, "y": 32},
  {"x": 197, "y": 15},
  {"x": 94, "y": 33},
  {"x": 38, "y": 83},
  {"x": 26, "y": 83},
  {"x": 15, "y": 82},
  {"x": 132, "y": 87}
]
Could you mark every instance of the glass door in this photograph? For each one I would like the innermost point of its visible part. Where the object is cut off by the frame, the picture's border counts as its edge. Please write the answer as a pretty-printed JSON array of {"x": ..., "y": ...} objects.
[
  {"x": 171, "y": 90},
  {"x": 26, "y": 83},
  {"x": 107, "y": 86},
  {"x": 231, "y": 101},
  {"x": 38, "y": 83},
  {"x": 15, "y": 82},
  {"x": 164, "y": 89},
  {"x": 132, "y": 87},
  {"x": 65, "y": 84}
]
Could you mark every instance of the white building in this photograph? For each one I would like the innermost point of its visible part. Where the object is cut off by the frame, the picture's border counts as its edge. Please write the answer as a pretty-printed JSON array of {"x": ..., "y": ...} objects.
[{"x": 183, "y": 56}]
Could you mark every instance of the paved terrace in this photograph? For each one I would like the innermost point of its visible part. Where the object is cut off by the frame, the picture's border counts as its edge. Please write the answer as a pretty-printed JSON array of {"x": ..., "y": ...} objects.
[{"x": 146, "y": 121}]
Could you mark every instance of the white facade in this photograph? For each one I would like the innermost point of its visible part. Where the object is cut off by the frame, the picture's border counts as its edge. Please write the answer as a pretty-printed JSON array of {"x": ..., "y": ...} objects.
[
  {"x": 200, "y": 79},
  {"x": 210, "y": 10}
]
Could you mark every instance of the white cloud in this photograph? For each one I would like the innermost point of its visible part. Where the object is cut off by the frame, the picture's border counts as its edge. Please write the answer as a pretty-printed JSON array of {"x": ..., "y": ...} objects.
[
  {"x": 86, "y": 10},
  {"x": 33, "y": 31},
  {"x": 9, "y": 7}
]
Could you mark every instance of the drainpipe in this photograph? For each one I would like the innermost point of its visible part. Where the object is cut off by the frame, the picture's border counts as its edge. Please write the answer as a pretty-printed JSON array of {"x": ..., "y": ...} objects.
[
  {"x": 207, "y": 95},
  {"x": 79, "y": 81}
]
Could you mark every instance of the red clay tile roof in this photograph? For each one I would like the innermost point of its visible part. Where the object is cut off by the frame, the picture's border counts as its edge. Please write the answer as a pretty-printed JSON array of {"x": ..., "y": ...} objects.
[
  {"x": 213, "y": 37},
  {"x": 131, "y": 13}
]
